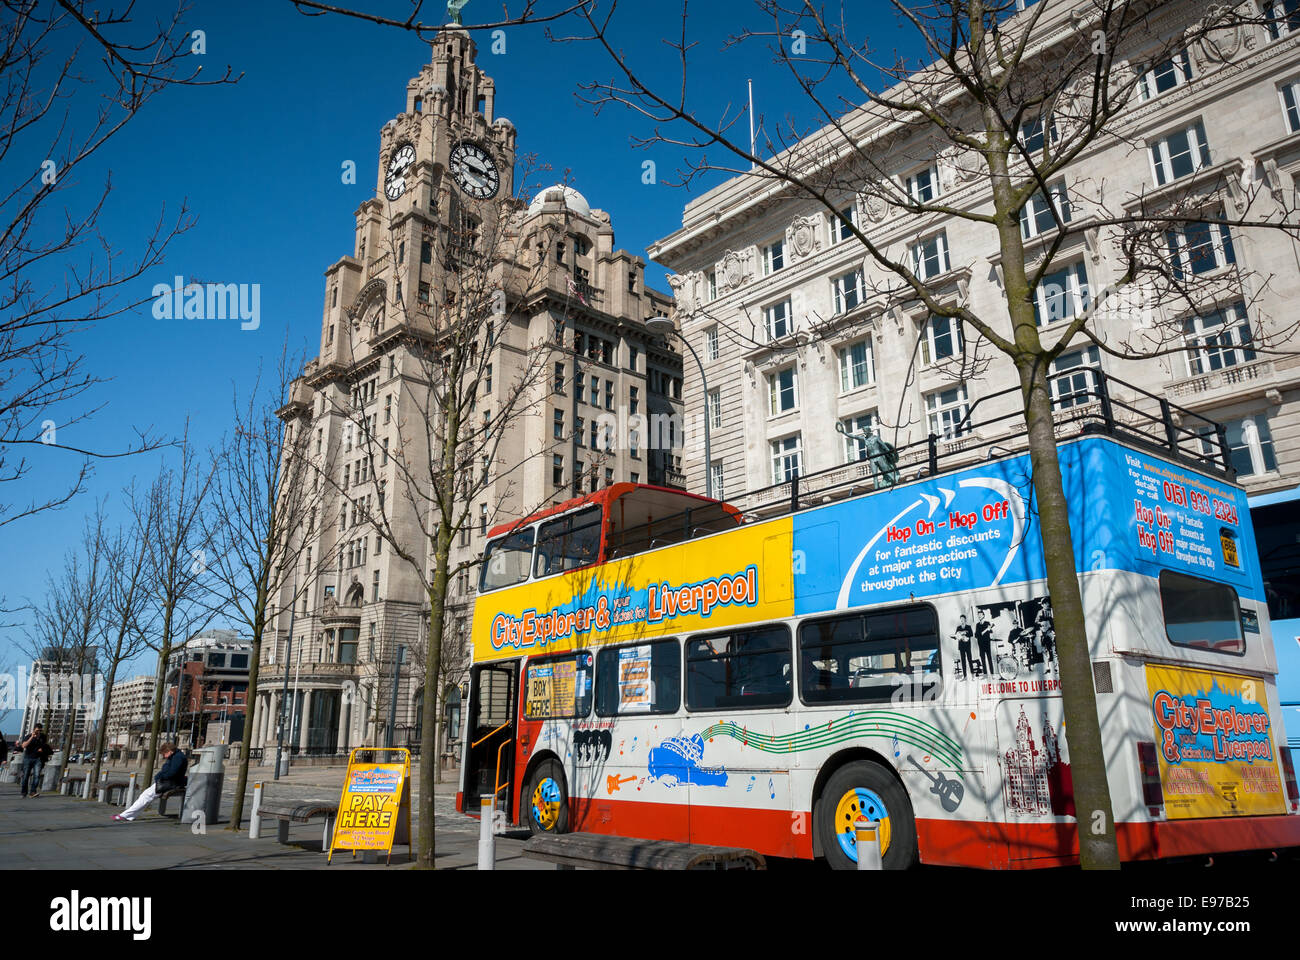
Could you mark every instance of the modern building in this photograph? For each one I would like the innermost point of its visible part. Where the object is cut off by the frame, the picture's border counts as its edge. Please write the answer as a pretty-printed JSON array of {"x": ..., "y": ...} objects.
[
  {"x": 131, "y": 705},
  {"x": 206, "y": 682},
  {"x": 58, "y": 694},
  {"x": 577, "y": 314},
  {"x": 801, "y": 334}
]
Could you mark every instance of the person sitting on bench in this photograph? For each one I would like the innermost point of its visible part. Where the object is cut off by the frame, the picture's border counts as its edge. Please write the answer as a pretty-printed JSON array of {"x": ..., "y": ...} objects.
[{"x": 170, "y": 777}]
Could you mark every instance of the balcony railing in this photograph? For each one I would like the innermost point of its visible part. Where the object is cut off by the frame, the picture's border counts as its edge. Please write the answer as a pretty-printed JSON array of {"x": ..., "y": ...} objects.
[
  {"x": 1193, "y": 387},
  {"x": 1136, "y": 416}
]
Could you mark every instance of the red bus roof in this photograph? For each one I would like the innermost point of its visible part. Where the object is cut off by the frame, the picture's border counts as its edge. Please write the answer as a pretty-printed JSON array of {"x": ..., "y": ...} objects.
[{"x": 603, "y": 498}]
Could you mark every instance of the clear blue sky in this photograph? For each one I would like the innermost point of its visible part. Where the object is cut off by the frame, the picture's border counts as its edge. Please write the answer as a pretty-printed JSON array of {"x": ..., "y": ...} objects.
[{"x": 259, "y": 163}]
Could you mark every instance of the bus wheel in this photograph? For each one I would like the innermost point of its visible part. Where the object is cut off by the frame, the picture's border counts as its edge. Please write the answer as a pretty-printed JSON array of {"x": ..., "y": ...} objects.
[
  {"x": 864, "y": 788},
  {"x": 546, "y": 802}
]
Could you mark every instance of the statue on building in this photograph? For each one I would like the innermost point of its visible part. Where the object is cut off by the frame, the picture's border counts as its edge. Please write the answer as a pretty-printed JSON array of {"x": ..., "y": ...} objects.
[
  {"x": 454, "y": 7},
  {"x": 882, "y": 455}
]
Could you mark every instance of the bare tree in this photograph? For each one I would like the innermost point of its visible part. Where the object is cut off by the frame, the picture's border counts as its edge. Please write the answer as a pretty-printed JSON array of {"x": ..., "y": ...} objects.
[
  {"x": 261, "y": 520},
  {"x": 53, "y": 51},
  {"x": 124, "y": 620},
  {"x": 1013, "y": 100},
  {"x": 66, "y": 629},
  {"x": 172, "y": 511}
]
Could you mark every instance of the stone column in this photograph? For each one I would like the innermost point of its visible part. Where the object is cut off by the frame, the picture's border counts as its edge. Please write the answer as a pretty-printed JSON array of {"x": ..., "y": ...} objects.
[{"x": 303, "y": 724}]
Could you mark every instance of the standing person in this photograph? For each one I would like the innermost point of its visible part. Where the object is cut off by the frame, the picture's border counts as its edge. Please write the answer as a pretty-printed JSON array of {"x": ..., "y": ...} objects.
[
  {"x": 962, "y": 635},
  {"x": 171, "y": 775},
  {"x": 984, "y": 637},
  {"x": 33, "y": 749},
  {"x": 4, "y": 751}
]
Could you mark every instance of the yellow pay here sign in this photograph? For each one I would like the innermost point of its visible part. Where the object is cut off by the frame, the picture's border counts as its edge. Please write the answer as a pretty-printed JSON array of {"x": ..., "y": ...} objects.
[{"x": 375, "y": 801}]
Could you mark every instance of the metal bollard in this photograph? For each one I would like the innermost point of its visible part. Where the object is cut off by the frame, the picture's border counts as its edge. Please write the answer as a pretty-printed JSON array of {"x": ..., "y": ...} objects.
[
  {"x": 487, "y": 839},
  {"x": 255, "y": 824},
  {"x": 868, "y": 845},
  {"x": 103, "y": 793},
  {"x": 130, "y": 790}
]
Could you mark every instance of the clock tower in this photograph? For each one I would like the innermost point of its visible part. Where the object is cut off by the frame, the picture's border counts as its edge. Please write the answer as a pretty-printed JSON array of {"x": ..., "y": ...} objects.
[
  {"x": 448, "y": 131},
  {"x": 557, "y": 376}
]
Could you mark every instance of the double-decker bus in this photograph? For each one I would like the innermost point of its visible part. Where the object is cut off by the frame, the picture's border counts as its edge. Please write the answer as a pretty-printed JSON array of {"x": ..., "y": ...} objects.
[{"x": 879, "y": 640}]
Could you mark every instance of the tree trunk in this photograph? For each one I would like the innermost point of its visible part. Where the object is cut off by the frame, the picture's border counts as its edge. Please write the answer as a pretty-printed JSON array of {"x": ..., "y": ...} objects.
[
  {"x": 160, "y": 689},
  {"x": 1098, "y": 849},
  {"x": 102, "y": 739},
  {"x": 250, "y": 723}
]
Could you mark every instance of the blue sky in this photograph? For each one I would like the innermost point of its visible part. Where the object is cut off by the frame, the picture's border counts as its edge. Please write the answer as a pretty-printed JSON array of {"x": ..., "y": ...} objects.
[{"x": 259, "y": 164}]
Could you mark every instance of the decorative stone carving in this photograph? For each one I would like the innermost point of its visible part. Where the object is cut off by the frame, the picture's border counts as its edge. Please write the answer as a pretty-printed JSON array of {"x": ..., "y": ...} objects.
[
  {"x": 804, "y": 237},
  {"x": 871, "y": 203},
  {"x": 956, "y": 167},
  {"x": 1220, "y": 44},
  {"x": 734, "y": 269},
  {"x": 683, "y": 289}
]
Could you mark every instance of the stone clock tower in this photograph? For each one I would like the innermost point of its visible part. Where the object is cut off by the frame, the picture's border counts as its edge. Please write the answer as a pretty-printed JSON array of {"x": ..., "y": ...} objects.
[{"x": 586, "y": 311}]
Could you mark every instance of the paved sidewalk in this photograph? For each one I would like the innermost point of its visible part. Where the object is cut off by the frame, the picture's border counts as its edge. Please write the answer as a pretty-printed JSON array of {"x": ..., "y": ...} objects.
[{"x": 54, "y": 832}]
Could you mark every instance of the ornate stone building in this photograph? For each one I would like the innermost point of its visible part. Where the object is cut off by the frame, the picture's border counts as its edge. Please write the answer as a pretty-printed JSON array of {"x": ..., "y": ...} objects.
[
  {"x": 799, "y": 335},
  {"x": 584, "y": 310}
]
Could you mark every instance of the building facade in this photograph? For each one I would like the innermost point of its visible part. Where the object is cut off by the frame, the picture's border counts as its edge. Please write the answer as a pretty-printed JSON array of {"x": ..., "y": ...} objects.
[
  {"x": 207, "y": 682},
  {"x": 130, "y": 707},
  {"x": 580, "y": 320},
  {"x": 800, "y": 336},
  {"x": 58, "y": 695}
]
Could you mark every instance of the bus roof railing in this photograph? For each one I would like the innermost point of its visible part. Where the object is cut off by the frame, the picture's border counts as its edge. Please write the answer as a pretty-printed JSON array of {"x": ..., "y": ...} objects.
[{"x": 1088, "y": 405}]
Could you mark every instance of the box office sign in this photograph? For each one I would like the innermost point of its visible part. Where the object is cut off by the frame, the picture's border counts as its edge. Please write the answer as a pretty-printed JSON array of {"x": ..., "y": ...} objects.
[{"x": 1215, "y": 742}]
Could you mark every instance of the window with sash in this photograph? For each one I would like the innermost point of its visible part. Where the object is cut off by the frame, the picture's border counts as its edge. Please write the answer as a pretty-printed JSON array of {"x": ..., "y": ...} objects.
[
  {"x": 940, "y": 339},
  {"x": 1180, "y": 154},
  {"x": 846, "y": 291},
  {"x": 1036, "y": 215},
  {"x": 857, "y": 365},
  {"x": 1061, "y": 294},
  {"x": 783, "y": 391},
  {"x": 930, "y": 256},
  {"x": 1165, "y": 76},
  {"x": 1220, "y": 339},
  {"x": 787, "y": 459},
  {"x": 1077, "y": 380},
  {"x": 946, "y": 412}
]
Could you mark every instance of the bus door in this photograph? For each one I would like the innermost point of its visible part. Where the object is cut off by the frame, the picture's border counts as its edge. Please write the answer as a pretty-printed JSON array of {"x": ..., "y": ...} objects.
[{"x": 490, "y": 755}]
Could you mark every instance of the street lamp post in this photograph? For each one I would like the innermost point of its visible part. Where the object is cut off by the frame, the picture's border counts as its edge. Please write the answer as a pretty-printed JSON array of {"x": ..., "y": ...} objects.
[
  {"x": 664, "y": 326},
  {"x": 392, "y": 705},
  {"x": 284, "y": 690}
]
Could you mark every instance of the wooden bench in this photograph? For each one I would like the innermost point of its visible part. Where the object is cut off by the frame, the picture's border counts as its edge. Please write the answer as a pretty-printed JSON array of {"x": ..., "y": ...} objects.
[
  {"x": 299, "y": 811},
  {"x": 598, "y": 852}
]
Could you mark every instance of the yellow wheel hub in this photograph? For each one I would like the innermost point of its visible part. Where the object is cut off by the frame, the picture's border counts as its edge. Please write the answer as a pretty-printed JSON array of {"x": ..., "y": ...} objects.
[{"x": 857, "y": 802}]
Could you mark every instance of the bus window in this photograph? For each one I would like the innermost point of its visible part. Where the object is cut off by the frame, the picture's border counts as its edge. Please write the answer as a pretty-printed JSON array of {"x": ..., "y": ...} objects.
[
  {"x": 738, "y": 670},
  {"x": 867, "y": 658},
  {"x": 1201, "y": 613},
  {"x": 506, "y": 560},
  {"x": 569, "y": 542},
  {"x": 558, "y": 688},
  {"x": 646, "y": 678}
]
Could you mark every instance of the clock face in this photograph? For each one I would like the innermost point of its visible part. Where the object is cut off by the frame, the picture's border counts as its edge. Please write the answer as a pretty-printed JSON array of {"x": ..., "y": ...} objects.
[
  {"x": 474, "y": 170},
  {"x": 395, "y": 177}
]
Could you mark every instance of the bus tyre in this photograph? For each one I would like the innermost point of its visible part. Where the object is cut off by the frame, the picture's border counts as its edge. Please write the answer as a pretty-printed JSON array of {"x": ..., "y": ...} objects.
[
  {"x": 866, "y": 788},
  {"x": 546, "y": 801}
]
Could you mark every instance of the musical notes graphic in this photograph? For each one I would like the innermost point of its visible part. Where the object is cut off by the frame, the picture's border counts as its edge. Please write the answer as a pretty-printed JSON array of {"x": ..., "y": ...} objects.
[
  {"x": 972, "y": 717},
  {"x": 633, "y": 750},
  {"x": 895, "y": 746},
  {"x": 751, "y": 784},
  {"x": 771, "y": 789}
]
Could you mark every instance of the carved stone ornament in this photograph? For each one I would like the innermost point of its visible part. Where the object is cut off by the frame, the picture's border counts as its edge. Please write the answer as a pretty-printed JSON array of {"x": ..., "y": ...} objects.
[
  {"x": 872, "y": 203},
  {"x": 1222, "y": 44},
  {"x": 804, "y": 237},
  {"x": 734, "y": 270},
  {"x": 681, "y": 287},
  {"x": 372, "y": 291}
]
